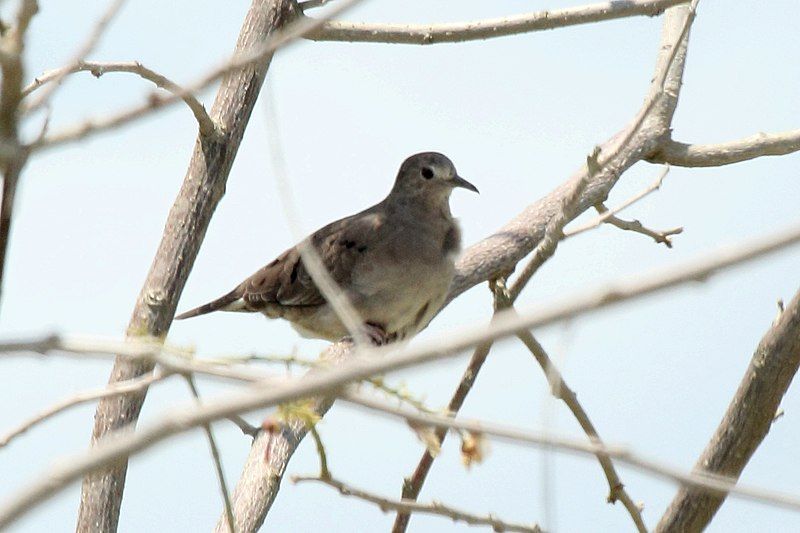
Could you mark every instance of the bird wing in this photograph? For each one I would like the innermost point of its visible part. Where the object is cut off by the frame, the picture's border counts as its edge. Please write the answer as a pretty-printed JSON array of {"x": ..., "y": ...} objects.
[{"x": 285, "y": 281}]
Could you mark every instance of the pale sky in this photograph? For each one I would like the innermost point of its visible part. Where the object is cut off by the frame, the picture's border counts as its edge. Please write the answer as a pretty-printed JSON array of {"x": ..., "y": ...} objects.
[{"x": 517, "y": 115}]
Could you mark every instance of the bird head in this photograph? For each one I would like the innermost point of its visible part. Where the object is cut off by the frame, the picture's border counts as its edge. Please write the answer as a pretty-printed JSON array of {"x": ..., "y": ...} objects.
[{"x": 430, "y": 175}]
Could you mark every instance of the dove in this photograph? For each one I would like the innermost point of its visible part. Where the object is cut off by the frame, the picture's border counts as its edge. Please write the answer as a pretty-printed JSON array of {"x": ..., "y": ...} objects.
[{"x": 393, "y": 261}]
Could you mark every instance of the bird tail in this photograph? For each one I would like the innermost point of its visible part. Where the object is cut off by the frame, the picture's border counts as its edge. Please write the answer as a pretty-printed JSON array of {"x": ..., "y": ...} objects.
[{"x": 230, "y": 302}]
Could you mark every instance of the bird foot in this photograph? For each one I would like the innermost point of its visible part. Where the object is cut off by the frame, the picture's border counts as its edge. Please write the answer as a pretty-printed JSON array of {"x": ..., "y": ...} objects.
[{"x": 377, "y": 334}]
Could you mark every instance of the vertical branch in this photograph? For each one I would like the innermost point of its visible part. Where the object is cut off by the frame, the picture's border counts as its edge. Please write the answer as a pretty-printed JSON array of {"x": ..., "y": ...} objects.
[
  {"x": 202, "y": 189},
  {"x": 745, "y": 424},
  {"x": 13, "y": 155}
]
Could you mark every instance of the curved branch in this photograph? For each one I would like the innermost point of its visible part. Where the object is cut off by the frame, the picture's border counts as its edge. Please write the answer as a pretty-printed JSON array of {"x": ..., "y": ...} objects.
[
  {"x": 207, "y": 126},
  {"x": 456, "y": 32},
  {"x": 715, "y": 155}
]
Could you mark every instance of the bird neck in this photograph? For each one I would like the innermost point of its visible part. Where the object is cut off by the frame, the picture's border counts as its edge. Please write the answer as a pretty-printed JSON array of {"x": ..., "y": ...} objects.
[{"x": 421, "y": 206}]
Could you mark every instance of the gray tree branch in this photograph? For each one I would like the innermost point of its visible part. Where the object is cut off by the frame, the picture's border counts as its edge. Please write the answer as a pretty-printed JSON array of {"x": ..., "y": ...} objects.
[
  {"x": 486, "y": 29},
  {"x": 202, "y": 189},
  {"x": 746, "y": 422},
  {"x": 715, "y": 155}
]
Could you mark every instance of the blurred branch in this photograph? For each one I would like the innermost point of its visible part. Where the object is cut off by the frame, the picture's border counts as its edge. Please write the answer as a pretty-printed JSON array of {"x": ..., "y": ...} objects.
[
  {"x": 486, "y": 29},
  {"x": 207, "y": 126},
  {"x": 714, "y": 155},
  {"x": 85, "y": 49},
  {"x": 188, "y": 220},
  {"x": 701, "y": 481},
  {"x": 215, "y": 457},
  {"x": 560, "y": 390},
  {"x": 746, "y": 422},
  {"x": 121, "y": 387},
  {"x": 13, "y": 156},
  {"x": 405, "y": 506}
]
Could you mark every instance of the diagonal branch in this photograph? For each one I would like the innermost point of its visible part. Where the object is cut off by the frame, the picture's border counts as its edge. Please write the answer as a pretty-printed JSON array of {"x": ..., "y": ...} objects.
[
  {"x": 746, "y": 422},
  {"x": 202, "y": 189},
  {"x": 561, "y": 390},
  {"x": 486, "y": 29}
]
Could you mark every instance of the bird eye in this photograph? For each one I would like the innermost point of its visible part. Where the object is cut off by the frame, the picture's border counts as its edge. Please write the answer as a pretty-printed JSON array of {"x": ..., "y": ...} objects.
[{"x": 427, "y": 172}]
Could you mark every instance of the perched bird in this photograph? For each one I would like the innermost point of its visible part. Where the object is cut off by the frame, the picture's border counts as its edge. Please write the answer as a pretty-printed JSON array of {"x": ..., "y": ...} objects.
[{"x": 393, "y": 261}]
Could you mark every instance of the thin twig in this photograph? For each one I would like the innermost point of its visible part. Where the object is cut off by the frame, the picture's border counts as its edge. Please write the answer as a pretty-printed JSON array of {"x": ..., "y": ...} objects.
[
  {"x": 656, "y": 185},
  {"x": 84, "y": 50},
  {"x": 217, "y": 460},
  {"x": 97, "y": 68},
  {"x": 561, "y": 390},
  {"x": 240, "y": 60},
  {"x": 661, "y": 237},
  {"x": 485, "y": 29},
  {"x": 114, "y": 389},
  {"x": 410, "y": 506},
  {"x": 412, "y": 485},
  {"x": 322, "y": 279}
]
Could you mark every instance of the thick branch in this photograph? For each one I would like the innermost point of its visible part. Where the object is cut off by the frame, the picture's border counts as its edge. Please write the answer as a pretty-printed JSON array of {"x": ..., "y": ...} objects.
[
  {"x": 714, "y": 155},
  {"x": 202, "y": 189},
  {"x": 487, "y": 29},
  {"x": 745, "y": 424}
]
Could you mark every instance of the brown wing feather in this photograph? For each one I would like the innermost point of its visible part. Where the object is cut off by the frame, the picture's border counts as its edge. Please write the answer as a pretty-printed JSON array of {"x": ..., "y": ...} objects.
[{"x": 285, "y": 281}]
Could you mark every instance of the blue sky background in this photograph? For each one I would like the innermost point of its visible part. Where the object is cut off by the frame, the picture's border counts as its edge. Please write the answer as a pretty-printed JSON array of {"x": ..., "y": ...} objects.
[{"x": 517, "y": 115}]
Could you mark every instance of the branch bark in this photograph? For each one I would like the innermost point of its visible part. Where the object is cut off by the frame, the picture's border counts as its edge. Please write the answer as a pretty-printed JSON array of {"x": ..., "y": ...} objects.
[
  {"x": 714, "y": 155},
  {"x": 202, "y": 189},
  {"x": 745, "y": 424},
  {"x": 486, "y": 29}
]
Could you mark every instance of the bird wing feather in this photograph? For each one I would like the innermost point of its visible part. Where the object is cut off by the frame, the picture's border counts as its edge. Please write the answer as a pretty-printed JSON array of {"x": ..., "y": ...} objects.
[{"x": 286, "y": 281}]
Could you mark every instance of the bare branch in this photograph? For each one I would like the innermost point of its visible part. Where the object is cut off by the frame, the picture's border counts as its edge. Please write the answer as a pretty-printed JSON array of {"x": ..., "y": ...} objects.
[
  {"x": 561, "y": 390},
  {"x": 84, "y": 50},
  {"x": 255, "y": 53},
  {"x": 714, "y": 155},
  {"x": 412, "y": 485},
  {"x": 656, "y": 185},
  {"x": 212, "y": 444},
  {"x": 406, "y": 506},
  {"x": 13, "y": 156},
  {"x": 487, "y": 29},
  {"x": 207, "y": 126},
  {"x": 662, "y": 237},
  {"x": 746, "y": 422},
  {"x": 115, "y": 389}
]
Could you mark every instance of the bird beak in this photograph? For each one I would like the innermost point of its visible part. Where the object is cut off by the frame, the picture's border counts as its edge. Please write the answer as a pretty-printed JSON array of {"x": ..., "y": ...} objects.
[{"x": 458, "y": 181}]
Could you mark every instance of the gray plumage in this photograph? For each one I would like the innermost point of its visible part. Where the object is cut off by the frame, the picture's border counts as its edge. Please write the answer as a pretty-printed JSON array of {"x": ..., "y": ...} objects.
[{"x": 394, "y": 261}]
